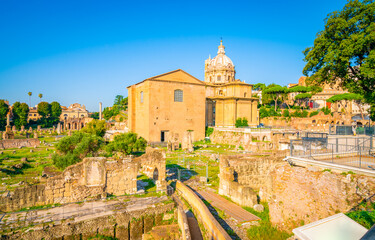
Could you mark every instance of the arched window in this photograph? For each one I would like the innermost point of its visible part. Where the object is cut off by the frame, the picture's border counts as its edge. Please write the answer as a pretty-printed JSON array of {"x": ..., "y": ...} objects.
[
  {"x": 142, "y": 97},
  {"x": 219, "y": 78},
  {"x": 178, "y": 95},
  {"x": 244, "y": 95}
]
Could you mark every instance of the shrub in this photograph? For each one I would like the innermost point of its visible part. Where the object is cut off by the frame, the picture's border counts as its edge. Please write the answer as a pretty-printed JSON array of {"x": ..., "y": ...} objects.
[
  {"x": 209, "y": 131},
  {"x": 73, "y": 149},
  {"x": 305, "y": 113},
  {"x": 326, "y": 110},
  {"x": 241, "y": 122},
  {"x": 286, "y": 113},
  {"x": 95, "y": 127},
  {"x": 127, "y": 143},
  {"x": 314, "y": 113}
]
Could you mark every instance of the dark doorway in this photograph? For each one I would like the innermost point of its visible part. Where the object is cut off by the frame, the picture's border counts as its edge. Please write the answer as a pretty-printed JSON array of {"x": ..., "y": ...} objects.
[
  {"x": 162, "y": 136},
  {"x": 155, "y": 175}
]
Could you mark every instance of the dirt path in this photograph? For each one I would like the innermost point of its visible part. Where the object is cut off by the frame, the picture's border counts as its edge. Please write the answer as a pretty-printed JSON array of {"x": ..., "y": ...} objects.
[{"x": 231, "y": 209}]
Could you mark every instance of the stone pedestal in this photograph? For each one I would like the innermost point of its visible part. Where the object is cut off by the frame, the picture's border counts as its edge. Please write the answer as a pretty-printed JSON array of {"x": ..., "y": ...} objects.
[{"x": 8, "y": 134}]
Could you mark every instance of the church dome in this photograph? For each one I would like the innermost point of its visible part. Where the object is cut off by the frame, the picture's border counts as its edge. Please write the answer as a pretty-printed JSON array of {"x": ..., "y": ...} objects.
[
  {"x": 220, "y": 69},
  {"x": 221, "y": 59}
]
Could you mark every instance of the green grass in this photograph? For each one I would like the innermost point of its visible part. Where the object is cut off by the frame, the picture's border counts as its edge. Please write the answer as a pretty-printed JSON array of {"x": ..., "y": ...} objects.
[
  {"x": 265, "y": 230},
  {"x": 151, "y": 185},
  {"x": 197, "y": 164},
  {"x": 38, "y": 159},
  {"x": 365, "y": 216},
  {"x": 39, "y": 207}
]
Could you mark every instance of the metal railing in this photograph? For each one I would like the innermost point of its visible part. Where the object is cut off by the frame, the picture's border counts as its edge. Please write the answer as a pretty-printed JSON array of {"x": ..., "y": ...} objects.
[
  {"x": 348, "y": 130},
  {"x": 357, "y": 152}
]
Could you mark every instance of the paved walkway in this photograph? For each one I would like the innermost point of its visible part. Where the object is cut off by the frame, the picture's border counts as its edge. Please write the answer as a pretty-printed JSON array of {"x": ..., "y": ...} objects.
[
  {"x": 80, "y": 212},
  {"x": 231, "y": 209}
]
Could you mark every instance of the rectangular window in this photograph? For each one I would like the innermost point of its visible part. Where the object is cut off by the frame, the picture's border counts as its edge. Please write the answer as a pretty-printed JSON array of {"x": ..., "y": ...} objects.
[
  {"x": 178, "y": 95},
  {"x": 141, "y": 97}
]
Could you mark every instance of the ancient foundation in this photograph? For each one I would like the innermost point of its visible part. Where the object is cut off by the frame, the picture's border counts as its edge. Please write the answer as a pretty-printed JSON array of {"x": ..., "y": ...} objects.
[
  {"x": 241, "y": 175},
  {"x": 93, "y": 178},
  {"x": 17, "y": 143}
]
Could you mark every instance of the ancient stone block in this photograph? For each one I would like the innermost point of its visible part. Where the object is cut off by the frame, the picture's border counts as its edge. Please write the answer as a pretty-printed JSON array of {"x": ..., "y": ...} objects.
[
  {"x": 148, "y": 223},
  {"x": 122, "y": 233},
  {"x": 136, "y": 229}
]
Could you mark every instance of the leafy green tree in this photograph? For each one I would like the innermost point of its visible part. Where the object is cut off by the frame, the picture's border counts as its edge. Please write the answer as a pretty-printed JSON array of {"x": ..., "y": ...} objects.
[
  {"x": 286, "y": 113},
  {"x": 111, "y": 112},
  {"x": 40, "y": 96},
  {"x": 95, "y": 127},
  {"x": 302, "y": 99},
  {"x": 300, "y": 89},
  {"x": 259, "y": 86},
  {"x": 127, "y": 143},
  {"x": 95, "y": 115},
  {"x": 118, "y": 100},
  {"x": 56, "y": 111},
  {"x": 73, "y": 149},
  {"x": 344, "y": 52},
  {"x": 4, "y": 109},
  {"x": 276, "y": 93},
  {"x": 44, "y": 110},
  {"x": 20, "y": 114},
  {"x": 346, "y": 98}
]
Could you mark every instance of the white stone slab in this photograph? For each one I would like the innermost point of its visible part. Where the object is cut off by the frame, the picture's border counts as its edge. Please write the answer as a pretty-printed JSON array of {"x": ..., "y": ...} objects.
[{"x": 336, "y": 227}]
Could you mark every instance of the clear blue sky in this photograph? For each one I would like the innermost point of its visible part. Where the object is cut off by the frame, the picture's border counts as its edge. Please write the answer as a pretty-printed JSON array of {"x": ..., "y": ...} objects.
[{"x": 90, "y": 51}]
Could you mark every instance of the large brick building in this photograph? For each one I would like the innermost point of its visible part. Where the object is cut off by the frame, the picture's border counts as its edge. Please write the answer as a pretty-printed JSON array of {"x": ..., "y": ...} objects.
[{"x": 173, "y": 103}]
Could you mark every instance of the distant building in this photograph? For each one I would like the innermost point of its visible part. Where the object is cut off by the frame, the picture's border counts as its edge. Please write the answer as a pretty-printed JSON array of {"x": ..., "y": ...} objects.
[
  {"x": 169, "y": 105},
  {"x": 319, "y": 100},
  {"x": 75, "y": 110},
  {"x": 33, "y": 114}
]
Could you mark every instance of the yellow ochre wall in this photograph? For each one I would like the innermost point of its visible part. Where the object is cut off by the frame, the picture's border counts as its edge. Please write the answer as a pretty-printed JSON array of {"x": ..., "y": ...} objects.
[{"x": 159, "y": 112}]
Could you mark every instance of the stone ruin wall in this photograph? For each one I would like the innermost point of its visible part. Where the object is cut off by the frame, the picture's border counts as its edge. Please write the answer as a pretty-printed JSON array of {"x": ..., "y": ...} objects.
[
  {"x": 17, "y": 143},
  {"x": 152, "y": 167},
  {"x": 241, "y": 175},
  {"x": 120, "y": 225},
  {"x": 299, "y": 195},
  {"x": 241, "y": 138},
  {"x": 318, "y": 122},
  {"x": 94, "y": 177}
]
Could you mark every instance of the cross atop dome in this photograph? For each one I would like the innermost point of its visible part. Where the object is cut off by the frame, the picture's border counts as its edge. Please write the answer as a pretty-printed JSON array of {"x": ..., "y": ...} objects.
[{"x": 221, "y": 48}]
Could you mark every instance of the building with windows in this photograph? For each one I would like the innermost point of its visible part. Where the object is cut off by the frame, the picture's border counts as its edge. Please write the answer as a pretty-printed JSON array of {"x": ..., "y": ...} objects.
[
  {"x": 171, "y": 104},
  {"x": 166, "y": 105},
  {"x": 75, "y": 110}
]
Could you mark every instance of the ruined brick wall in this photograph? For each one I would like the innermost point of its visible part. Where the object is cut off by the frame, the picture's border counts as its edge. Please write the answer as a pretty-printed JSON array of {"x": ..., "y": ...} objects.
[
  {"x": 153, "y": 165},
  {"x": 17, "y": 143},
  {"x": 120, "y": 225},
  {"x": 250, "y": 141},
  {"x": 241, "y": 175},
  {"x": 94, "y": 177},
  {"x": 300, "y": 195}
]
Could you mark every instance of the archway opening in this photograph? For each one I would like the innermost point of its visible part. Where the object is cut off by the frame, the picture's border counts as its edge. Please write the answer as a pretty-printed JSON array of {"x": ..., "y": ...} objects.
[{"x": 155, "y": 175}]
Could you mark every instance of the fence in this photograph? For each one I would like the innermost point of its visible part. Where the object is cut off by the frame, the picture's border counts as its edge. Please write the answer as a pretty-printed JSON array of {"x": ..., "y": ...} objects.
[
  {"x": 348, "y": 130},
  {"x": 354, "y": 152}
]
